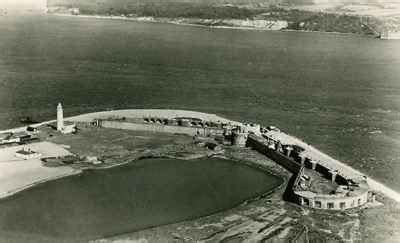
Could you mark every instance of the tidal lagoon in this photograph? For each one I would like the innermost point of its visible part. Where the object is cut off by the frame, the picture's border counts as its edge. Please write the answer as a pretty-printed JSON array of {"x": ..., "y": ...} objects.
[
  {"x": 143, "y": 194},
  {"x": 340, "y": 93}
]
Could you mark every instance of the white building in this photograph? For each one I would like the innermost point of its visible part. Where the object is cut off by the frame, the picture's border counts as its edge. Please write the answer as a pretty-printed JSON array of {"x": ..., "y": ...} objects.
[
  {"x": 70, "y": 128},
  {"x": 64, "y": 129},
  {"x": 60, "y": 117},
  {"x": 75, "y": 11},
  {"x": 252, "y": 128}
]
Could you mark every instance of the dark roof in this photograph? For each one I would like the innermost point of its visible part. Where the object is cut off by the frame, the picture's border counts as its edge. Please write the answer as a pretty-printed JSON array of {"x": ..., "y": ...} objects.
[
  {"x": 25, "y": 152},
  {"x": 20, "y": 134}
]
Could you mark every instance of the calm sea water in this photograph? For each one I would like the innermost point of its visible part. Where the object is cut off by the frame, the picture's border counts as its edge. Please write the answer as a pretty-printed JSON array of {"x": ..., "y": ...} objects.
[
  {"x": 127, "y": 198},
  {"x": 340, "y": 93}
]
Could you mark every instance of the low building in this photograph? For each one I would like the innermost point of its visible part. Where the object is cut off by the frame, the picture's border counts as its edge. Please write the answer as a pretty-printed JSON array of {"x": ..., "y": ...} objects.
[
  {"x": 32, "y": 129},
  {"x": 22, "y": 136},
  {"x": 75, "y": 11},
  {"x": 253, "y": 128},
  {"x": 27, "y": 153},
  {"x": 18, "y": 137},
  {"x": 68, "y": 128},
  {"x": 93, "y": 160}
]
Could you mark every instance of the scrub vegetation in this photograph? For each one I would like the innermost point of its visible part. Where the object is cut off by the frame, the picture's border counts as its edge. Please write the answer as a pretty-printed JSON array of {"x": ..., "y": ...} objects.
[{"x": 297, "y": 19}]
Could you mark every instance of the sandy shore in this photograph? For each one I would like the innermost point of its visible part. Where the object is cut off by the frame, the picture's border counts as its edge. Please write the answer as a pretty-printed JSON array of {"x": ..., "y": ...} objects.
[
  {"x": 138, "y": 113},
  {"x": 18, "y": 174}
]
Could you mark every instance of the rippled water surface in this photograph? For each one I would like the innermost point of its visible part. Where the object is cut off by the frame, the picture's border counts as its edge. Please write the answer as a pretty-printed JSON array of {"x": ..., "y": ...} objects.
[
  {"x": 147, "y": 193},
  {"x": 340, "y": 93}
]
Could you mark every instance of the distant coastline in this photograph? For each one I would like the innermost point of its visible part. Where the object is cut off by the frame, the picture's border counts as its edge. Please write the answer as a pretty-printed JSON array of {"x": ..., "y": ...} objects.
[
  {"x": 364, "y": 19},
  {"x": 187, "y": 22},
  {"x": 175, "y": 21},
  {"x": 233, "y": 17}
]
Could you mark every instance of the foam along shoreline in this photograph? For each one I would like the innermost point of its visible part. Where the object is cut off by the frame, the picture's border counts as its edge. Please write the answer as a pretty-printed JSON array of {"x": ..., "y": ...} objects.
[{"x": 140, "y": 113}]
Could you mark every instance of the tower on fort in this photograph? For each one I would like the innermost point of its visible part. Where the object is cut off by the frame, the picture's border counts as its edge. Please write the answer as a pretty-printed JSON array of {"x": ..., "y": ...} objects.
[{"x": 60, "y": 117}]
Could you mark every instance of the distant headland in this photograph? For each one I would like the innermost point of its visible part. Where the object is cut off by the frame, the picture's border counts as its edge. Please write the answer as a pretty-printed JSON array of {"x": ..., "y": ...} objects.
[{"x": 370, "y": 19}]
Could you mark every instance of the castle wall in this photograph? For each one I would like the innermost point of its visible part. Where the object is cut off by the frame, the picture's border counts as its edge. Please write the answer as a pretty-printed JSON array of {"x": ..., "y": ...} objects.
[
  {"x": 307, "y": 198},
  {"x": 332, "y": 202},
  {"x": 140, "y": 113},
  {"x": 153, "y": 127},
  {"x": 257, "y": 143}
]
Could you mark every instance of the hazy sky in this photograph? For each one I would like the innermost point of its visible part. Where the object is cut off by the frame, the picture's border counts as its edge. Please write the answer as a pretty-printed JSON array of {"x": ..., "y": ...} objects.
[{"x": 11, "y": 4}]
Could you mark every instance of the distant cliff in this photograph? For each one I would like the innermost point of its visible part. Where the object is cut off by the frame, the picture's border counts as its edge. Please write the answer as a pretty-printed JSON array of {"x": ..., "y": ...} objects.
[
  {"x": 267, "y": 14},
  {"x": 254, "y": 3}
]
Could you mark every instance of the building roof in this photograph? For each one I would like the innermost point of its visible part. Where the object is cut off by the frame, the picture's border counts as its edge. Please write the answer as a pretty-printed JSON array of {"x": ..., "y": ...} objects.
[{"x": 20, "y": 134}]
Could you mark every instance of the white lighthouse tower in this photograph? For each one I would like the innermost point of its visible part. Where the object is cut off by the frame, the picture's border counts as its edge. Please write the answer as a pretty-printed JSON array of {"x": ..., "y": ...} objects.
[{"x": 60, "y": 117}]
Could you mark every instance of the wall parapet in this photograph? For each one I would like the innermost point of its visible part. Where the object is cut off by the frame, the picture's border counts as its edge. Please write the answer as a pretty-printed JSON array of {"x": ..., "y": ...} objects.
[
  {"x": 347, "y": 189},
  {"x": 348, "y": 194}
]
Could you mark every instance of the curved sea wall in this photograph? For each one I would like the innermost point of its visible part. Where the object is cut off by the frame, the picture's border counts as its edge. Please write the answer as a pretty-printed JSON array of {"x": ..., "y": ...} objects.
[
  {"x": 352, "y": 191},
  {"x": 341, "y": 199},
  {"x": 351, "y": 186},
  {"x": 142, "y": 113}
]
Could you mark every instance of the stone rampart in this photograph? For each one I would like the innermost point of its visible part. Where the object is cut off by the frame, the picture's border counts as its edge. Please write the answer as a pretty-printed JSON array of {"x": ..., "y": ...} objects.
[
  {"x": 153, "y": 127},
  {"x": 261, "y": 146},
  {"x": 339, "y": 200},
  {"x": 141, "y": 113}
]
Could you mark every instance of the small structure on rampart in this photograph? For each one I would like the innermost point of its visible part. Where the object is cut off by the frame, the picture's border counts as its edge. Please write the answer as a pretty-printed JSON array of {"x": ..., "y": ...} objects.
[
  {"x": 27, "y": 153},
  {"x": 321, "y": 182}
]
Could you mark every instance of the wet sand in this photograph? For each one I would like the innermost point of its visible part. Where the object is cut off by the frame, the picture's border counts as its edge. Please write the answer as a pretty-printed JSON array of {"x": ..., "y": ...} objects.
[
  {"x": 135, "y": 113},
  {"x": 17, "y": 174}
]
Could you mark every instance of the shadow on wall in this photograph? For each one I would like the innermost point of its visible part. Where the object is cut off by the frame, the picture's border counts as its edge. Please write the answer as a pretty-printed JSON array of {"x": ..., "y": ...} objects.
[{"x": 288, "y": 195}]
